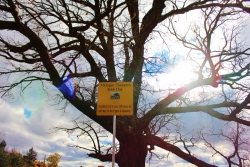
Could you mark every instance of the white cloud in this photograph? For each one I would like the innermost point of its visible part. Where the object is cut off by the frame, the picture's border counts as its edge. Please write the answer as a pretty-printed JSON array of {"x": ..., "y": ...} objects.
[{"x": 22, "y": 134}]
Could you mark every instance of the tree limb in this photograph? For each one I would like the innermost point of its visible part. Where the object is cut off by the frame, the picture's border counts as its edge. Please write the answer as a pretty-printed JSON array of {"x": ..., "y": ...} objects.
[{"x": 177, "y": 151}]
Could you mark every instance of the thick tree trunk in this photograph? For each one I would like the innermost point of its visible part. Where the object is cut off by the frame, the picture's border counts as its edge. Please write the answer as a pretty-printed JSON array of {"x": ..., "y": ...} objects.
[{"x": 132, "y": 153}]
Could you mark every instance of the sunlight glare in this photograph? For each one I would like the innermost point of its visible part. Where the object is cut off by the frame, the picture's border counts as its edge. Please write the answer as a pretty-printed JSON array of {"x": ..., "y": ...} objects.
[{"x": 183, "y": 73}]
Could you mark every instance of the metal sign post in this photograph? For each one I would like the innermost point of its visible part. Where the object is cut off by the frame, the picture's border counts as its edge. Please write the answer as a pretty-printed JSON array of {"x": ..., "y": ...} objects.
[
  {"x": 115, "y": 99},
  {"x": 114, "y": 133}
]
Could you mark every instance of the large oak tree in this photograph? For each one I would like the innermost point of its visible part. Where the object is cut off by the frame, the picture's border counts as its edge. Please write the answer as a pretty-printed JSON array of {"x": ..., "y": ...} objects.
[{"x": 91, "y": 41}]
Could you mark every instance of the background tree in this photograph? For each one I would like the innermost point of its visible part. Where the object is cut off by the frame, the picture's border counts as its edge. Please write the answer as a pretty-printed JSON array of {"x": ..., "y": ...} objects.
[
  {"x": 53, "y": 160},
  {"x": 30, "y": 157},
  {"x": 3, "y": 144},
  {"x": 75, "y": 45},
  {"x": 4, "y": 159},
  {"x": 37, "y": 163},
  {"x": 15, "y": 159}
]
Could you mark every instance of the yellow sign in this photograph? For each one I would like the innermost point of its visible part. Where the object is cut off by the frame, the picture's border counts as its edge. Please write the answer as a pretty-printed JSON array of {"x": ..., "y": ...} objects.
[{"x": 115, "y": 98}]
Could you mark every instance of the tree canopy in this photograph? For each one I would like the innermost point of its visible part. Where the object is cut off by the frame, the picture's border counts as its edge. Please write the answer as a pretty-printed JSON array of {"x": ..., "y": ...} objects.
[
  {"x": 53, "y": 160},
  {"x": 31, "y": 156},
  {"x": 74, "y": 45},
  {"x": 13, "y": 158}
]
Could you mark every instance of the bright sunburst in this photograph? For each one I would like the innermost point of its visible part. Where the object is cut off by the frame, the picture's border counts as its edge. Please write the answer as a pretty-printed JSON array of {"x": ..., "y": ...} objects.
[
  {"x": 176, "y": 77},
  {"x": 183, "y": 73}
]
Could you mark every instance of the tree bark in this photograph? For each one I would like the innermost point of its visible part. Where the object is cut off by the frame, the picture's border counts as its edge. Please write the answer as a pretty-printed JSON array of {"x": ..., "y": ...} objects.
[{"x": 132, "y": 152}]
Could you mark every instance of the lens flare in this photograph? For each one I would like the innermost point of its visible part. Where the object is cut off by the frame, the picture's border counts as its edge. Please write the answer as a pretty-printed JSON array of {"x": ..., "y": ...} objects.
[
  {"x": 27, "y": 113},
  {"x": 34, "y": 100}
]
